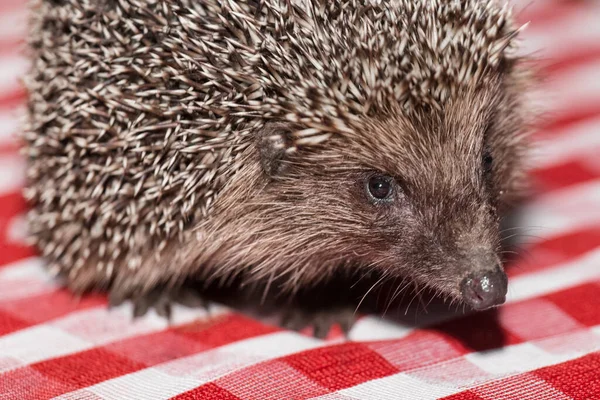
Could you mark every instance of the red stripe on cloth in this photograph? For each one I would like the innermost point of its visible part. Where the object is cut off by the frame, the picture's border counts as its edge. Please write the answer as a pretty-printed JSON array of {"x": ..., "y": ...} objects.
[
  {"x": 582, "y": 303},
  {"x": 524, "y": 386},
  {"x": 549, "y": 13},
  {"x": 10, "y": 148},
  {"x": 48, "y": 306},
  {"x": 11, "y": 45},
  {"x": 271, "y": 381},
  {"x": 158, "y": 347},
  {"x": 10, "y": 253},
  {"x": 558, "y": 122},
  {"x": 222, "y": 330},
  {"x": 579, "y": 378},
  {"x": 566, "y": 174},
  {"x": 86, "y": 368},
  {"x": 13, "y": 99},
  {"x": 28, "y": 384},
  {"x": 11, "y": 205},
  {"x": 209, "y": 391},
  {"x": 340, "y": 366},
  {"x": 10, "y": 323},
  {"x": 554, "y": 251},
  {"x": 51, "y": 378},
  {"x": 11, "y": 5},
  {"x": 467, "y": 395},
  {"x": 573, "y": 58}
]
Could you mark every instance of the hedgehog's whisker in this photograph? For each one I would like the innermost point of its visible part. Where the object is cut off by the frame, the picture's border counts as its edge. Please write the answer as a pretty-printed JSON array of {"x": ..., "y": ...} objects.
[{"x": 368, "y": 291}]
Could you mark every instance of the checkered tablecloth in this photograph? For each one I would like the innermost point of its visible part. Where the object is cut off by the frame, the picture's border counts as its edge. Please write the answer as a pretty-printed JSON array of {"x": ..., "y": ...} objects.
[{"x": 543, "y": 344}]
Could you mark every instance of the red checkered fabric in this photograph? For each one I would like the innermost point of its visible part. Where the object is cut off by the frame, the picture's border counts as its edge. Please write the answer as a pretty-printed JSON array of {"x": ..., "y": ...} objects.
[{"x": 544, "y": 343}]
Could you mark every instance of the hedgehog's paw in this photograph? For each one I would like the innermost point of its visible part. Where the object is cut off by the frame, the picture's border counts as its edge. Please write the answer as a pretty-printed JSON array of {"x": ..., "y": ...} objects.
[
  {"x": 321, "y": 321},
  {"x": 161, "y": 300}
]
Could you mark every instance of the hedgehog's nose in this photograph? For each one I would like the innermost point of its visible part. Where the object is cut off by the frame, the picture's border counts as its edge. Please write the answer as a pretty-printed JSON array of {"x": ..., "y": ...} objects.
[{"x": 484, "y": 289}]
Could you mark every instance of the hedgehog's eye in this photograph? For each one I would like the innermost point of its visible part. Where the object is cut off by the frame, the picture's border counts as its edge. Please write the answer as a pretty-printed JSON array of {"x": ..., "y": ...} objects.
[
  {"x": 488, "y": 162},
  {"x": 380, "y": 187}
]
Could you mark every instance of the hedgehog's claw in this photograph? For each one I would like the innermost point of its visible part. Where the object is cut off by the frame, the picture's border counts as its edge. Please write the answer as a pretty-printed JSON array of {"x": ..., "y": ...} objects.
[
  {"x": 191, "y": 298},
  {"x": 161, "y": 300},
  {"x": 322, "y": 321}
]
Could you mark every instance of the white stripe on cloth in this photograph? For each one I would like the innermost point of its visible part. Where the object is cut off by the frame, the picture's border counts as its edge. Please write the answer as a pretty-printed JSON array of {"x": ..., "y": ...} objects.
[
  {"x": 375, "y": 328},
  {"x": 394, "y": 387},
  {"x": 521, "y": 387},
  {"x": 514, "y": 359},
  {"x": 574, "y": 142},
  {"x": 13, "y": 24},
  {"x": 560, "y": 211},
  {"x": 17, "y": 230},
  {"x": 12, "y": 173},
  {"x": 576, "y": 87},
  {"x": 39, "y": 342},
  {"x": 23, "y": 279},
  {"x": 151, "y": 384},
  {"x": 12, "y": 68},
  {"x": 578, "y": 29},
  {"x": 573, "y": 273},
  {"x": 31, "y": 268},
  {"x": 9, "y": 125}
]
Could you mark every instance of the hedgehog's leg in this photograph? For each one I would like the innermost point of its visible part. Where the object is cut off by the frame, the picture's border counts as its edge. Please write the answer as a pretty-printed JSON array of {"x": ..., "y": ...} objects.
[
  {"x": 161, "y": 299},
  {"x": 322, "y": 307},
  {"x": 298, "y": 318}
]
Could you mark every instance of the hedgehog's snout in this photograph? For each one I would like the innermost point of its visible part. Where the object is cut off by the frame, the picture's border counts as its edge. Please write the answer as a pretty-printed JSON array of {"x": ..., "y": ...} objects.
[{"x": 484, "y": 289}]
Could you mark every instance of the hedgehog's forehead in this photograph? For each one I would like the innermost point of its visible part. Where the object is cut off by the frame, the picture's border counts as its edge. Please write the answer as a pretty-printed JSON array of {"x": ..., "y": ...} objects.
[{"x": 405, "y": 144}]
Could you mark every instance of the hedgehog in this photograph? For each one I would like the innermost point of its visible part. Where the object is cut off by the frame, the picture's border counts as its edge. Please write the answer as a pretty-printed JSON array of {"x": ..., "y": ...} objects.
[{"x": 276, "y": 142}]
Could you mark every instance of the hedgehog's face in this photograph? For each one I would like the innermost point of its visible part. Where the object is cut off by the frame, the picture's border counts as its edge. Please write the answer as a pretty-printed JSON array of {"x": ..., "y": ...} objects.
[
  {"x": 438, "y": 229},
  {"x": 413, "y": 199}
]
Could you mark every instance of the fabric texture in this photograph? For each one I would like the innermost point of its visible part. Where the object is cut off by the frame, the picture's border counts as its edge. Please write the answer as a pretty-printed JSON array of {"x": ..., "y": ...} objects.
[{"x": 544, "y": 343}]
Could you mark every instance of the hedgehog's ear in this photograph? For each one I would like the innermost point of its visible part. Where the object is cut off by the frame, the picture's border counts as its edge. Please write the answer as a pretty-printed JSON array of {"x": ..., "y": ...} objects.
[{"x": 274, "y": 142}]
